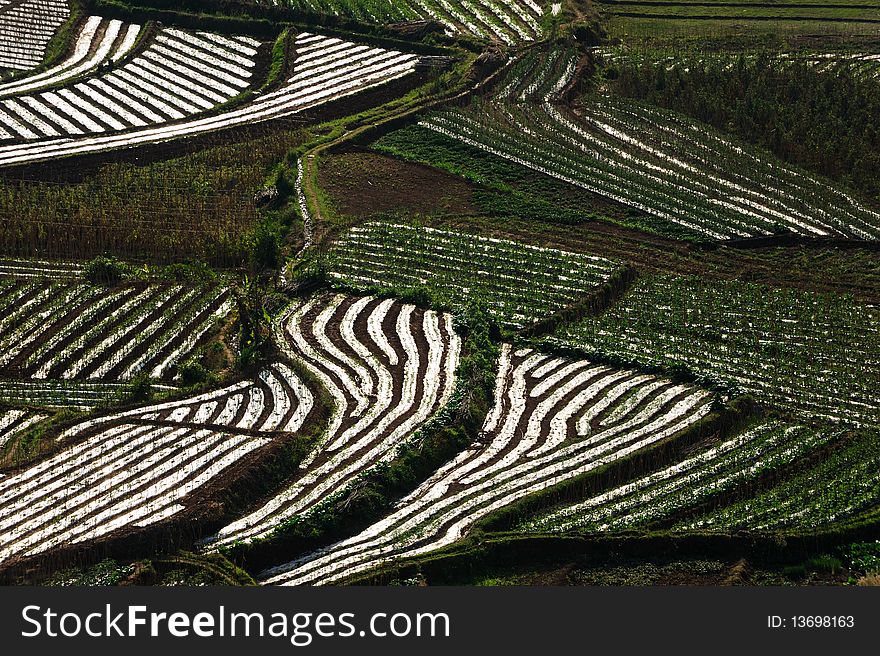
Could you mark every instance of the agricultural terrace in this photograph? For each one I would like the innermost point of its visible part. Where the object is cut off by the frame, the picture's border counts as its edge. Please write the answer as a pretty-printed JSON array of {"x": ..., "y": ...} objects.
[
  {"x": 817, "y": 354},
  {"x": 13, "y": 422},
  {"x": 70, "y": 330},
  {"x": 553, "y": 418},
  {"x": 388, "y": 366},
  {"x": 135, "y": 469},
  {"x": 710, "y": 475},
  {"x": 26, "y": 29},
  {"x": 651, "y": 160},
  {"x": 101, "y": 42},
  {"x": 519, "y": 284},
  {"x": 506, "y": 21},
  {"x": 324, "y": 69},
  {"x": 661, "y": 18},
  {"x": 177, "y": 75},
  {"x": 197, "y": 204},
  {"x": 835, "y": 488},
  {"x": 78, "y": 394}
]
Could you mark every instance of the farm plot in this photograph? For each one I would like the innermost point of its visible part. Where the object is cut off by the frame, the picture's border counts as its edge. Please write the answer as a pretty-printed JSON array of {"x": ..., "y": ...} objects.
[
  {"x": 518, "y": 283},
  {"x": 77, "y": 331},
  {"x": 834, "y": 489},
  {"x": 553, "y": 418},
  {"x": 389, "y": 368},
  {"x": 26, "y": 29},
  {"x": 735, "y": 463},
  {"x": 38, "y": 269},
  {"x": 13, "y": 422},
  {"x": 82, "y": 395},
  {"x": 817, "y": 354},
  {"x": 325, "y": 69},
  {"x": 100, "y": 42},
  {"x": 649, "y": 159},
  {"x": 178, "y": 75},
  {"x": 507, "y": 21},
  {"x": 135, "y": 469}
]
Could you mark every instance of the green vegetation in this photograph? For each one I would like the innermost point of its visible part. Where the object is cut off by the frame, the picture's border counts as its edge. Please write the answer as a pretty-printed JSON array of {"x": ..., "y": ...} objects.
[
  {"x": 818, "y": 112},
  {"x": 799, "y": 350},
  {"x": 519, "y": 284}
]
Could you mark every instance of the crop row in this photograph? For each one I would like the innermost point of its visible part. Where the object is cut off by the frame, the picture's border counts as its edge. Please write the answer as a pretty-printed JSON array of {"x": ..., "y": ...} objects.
[
  {"x": 833, "y": 489},
  {"x": 818, "y": 354},
  {"x": 518, "y": 283},
  {"x": 649, "y": 159},
  {"x": 77, "y": 331},
  {"x": 179, "y": 74},
  {"x": 388, "y": 366},
  {"x": 134, "y": 469},
  {"x": 82, "y": 395},
  {"x": 31, "y": 269},
  {"x": 508, "y": 21},
  {"x": 26, "y": 29},
  {"x": 325, "y": 69},
  {"x": 737, "y": 462},
  {"x": 100, "y": 42},
  {"x": 553, "y": 419},
  {"x": 13, "y": 422}
]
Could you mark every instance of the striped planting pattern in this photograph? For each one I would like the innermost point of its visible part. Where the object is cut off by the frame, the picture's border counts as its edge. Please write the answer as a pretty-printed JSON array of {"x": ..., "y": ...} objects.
[
  {"x": 76, "y": 331},
  {"x": 770, "y": 446},
  {"x": 38, "y": 269},
  {"x": 325, "y": 69},
  {"x": 553, "y": 419},
  {"x": 520, "y": 284},
  {"x": 817, "y": 354},
  {"x": 650, "y": 159},
  {"x": 179, "y": 74},
  {"x": 388, "y": 366},
  {"x": 13, "y": 422},
  {"x": 100, "y": 41},
  {"x": 507, "y": 21},
  {"x": 138, "y": 468},
  {"x": 836, "y": 487},
  {"x": 26, "y": 29},
  {"x": 78, "y": 394}
]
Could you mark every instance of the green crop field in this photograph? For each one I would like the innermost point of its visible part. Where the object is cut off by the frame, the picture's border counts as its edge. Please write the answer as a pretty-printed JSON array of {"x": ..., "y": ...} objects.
[{"x": 439, "y": 292}]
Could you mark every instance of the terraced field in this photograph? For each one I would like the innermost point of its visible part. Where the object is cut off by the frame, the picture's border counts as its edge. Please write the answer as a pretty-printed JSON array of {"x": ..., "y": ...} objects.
[
  {"x": 518, "y": 283},
  {"x": 75, "y": 331},
  {"x": 553, "y": 419},
  {"x": 325, "y": 69},
  {"x": 26, "y": 27},
  {"x": 816, "y": 354},
  {"x": 647, "y": 159},
  {"x": 388, "y": 366},
  {"x": 710, "y": 474},
  {"x": 833, "y": 490},
  {"x": 178, "y": 75},
  {"x": 135, "y": 469},
  {"x": 13, "y": 422},
  {"x": 100, "y": 42},
  {"x": 507, "y": 21}
]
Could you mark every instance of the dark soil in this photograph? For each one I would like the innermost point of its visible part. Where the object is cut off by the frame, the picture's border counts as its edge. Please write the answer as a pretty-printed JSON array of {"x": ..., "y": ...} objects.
[{"x": 363, "y": 184}]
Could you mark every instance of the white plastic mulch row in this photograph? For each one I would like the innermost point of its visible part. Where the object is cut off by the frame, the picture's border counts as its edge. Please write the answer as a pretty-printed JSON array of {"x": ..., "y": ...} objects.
[
  {"x": 389, "y": 368},
  {"x": 13, "y": 422},
  {"x": 177, "y": 75},
  {"x": 519, "y": 283},
  {"x": 26, "y": 29},
  {"x": 548, "y": 425},
  {"x": 100, "y": 40},
  {"x": 137, "y": 468},
  {"x": 76, "y": 331},
  {"x": 653, "y": 161},
  {"x": 329, "y": 77}
]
